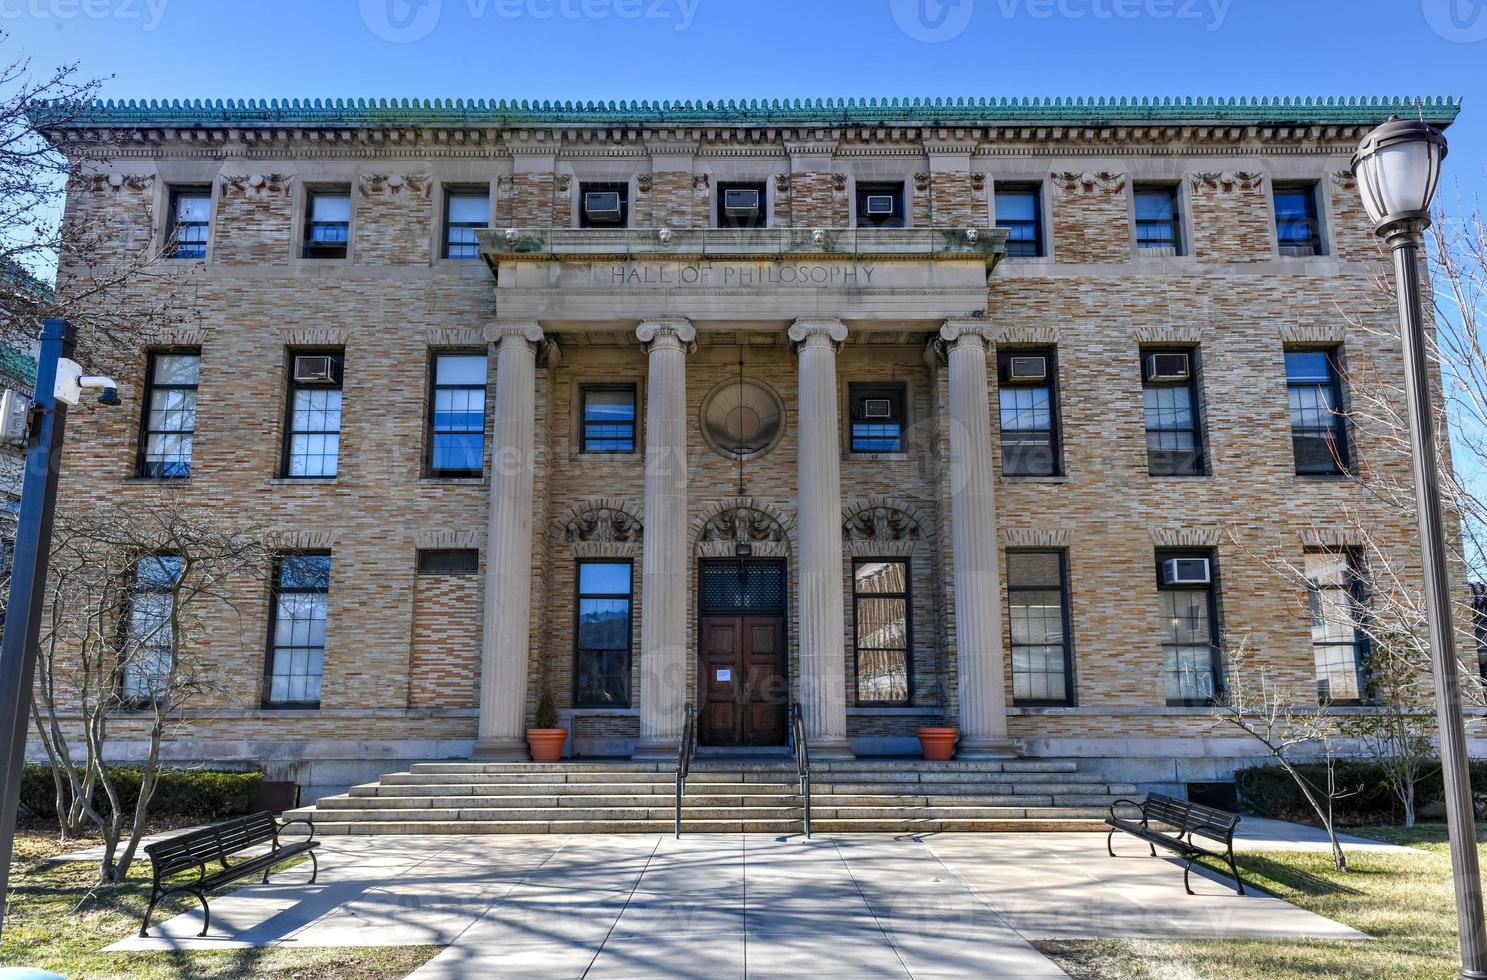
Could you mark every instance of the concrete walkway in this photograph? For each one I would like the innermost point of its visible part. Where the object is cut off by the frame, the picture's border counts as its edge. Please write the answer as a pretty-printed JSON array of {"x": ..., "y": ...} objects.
[{"x": 730, "y": 905}]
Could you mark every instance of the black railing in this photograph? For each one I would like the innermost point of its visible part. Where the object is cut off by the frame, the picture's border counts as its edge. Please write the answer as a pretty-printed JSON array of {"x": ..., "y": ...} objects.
[
  {"x": 684, "y": 752},
  {"x": 802, "y": 762}
]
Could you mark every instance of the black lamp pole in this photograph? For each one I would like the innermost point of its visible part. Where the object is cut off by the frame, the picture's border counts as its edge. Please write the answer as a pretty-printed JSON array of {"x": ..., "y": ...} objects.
[{"x": 28, "y": 580}]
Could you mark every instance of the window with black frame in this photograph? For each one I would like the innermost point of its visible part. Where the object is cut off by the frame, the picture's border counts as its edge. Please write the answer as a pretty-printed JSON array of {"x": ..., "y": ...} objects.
[
  {"x": 604, "y": 204},
  {"x": 168, "y": 431},
  {"x": 880, "y": 617},
  {"x": 312, "y": 435},
  {"x": 741, "y": 205},
  {"x": 298, "y": 613},
  {"x": 327, "y": 223},
  {"x": 608, "y": 419},
  {"x": 1191, "y": 671},
  {"x": 1158, "y": 225},
  {"x": 1298, "y": 230},
  {"x": 1174, "y": 433},
  {"x": 465, "y": 211},
  {"x": 1336, "y": 594},
  {"x": 877, "y": 413},
  {"x": 1038, "y": 617},
  {"x": 880, "y": 204},
  {"x": 1019, "y": 211},
  {"x": 1318, "y": 431},
  {"x": 1029, "y": 412},
  {"x": 602, "y": 635},
  {"x": 190, "y": 221},
  {"x": 457, "y": 415},
  {"x": 149, "y": 636}
]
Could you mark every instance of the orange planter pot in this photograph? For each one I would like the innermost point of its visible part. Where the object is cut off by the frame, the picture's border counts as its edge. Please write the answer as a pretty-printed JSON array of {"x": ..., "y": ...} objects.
[
  {"x": 938, "y": 744},
  {"x": 546, "y": 743}
]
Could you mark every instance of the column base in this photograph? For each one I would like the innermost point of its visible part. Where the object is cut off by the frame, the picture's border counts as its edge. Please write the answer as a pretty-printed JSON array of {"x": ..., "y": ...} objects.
[
  {"x": 836, "y": 750},
  {"x": 973, "y": 749},
  {"x": 501, "y": 750},
  {"x": 656, "y": 749}
]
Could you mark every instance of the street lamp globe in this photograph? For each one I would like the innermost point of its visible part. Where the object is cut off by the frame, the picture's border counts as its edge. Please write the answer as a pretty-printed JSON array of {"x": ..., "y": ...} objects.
[{"x": 1397, "y": 166}]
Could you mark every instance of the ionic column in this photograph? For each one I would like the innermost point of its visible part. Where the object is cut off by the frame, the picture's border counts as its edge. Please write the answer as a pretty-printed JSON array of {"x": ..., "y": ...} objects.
[
  {"x": 663, "y": 617},
  {"x": 823, "y": 677},
  {"x": 973, "y": 543},
  {"x": 508, "y": 545}
]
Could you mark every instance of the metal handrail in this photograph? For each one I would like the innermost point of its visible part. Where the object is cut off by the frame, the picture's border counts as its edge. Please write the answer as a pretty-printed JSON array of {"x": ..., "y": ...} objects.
[
  {"x": 684, "y": 752},
  {"x": 802, "y": 762}
]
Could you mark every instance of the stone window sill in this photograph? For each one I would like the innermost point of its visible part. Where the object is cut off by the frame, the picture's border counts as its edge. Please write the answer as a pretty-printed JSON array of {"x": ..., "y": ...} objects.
[
  {"x": 156, "y": 481},
  {"x": 302, "y": 481},
  {"x": 876, "y": 457},
  {"x": 600, "y": 712},
  {"x": 1035, "y": 479},
  {"x": 453, "y": 481},
  {"x": 897, "y": 710}
]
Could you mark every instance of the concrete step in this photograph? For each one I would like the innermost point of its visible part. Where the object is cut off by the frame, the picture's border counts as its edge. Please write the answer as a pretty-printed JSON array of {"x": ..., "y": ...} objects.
[
  {"x": 1026, "y": 824},
  {"x": 724, "y": 764}
]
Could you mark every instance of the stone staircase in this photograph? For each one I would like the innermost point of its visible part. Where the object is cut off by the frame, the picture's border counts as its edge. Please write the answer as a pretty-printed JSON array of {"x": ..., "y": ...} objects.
[{"x": 722, "y": 796}]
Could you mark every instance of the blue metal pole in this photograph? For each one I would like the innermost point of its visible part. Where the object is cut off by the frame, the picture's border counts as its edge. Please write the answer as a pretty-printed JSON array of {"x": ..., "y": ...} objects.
[{"x": 28, "y": 580}]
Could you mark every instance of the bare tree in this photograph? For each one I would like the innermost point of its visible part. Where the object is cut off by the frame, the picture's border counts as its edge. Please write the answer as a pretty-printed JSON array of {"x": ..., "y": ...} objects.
[
  {"x": 1267, "y": 710},
  {"x": 134, "y": 591}
]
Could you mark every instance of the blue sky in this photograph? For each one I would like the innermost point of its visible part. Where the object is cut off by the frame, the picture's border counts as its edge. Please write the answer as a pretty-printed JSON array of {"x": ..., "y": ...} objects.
[{"x": 612, "y": 49}]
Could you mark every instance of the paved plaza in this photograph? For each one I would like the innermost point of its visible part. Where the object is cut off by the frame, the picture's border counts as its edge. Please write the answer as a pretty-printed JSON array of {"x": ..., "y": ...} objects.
[{"x": 733, "y": 905}]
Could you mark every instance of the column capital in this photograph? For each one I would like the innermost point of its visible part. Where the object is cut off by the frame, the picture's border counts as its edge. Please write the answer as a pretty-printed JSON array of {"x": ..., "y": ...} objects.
[
  {"x": 517, "y": 331},
  {"x": 970, "y": 330},
  {"x": 818, "y": 332},
  {"x": 676, "y": 332}
]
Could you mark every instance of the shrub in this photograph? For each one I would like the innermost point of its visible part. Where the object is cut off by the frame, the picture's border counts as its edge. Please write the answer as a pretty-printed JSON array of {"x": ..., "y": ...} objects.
[
  {"x": 206, "y": 794},
  {"x": 1364, "y": 793}
]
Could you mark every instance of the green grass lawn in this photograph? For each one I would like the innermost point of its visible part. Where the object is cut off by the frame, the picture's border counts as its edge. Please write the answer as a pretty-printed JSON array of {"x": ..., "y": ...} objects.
[
  {"x": 59, "y": 919},
  {"x": 1403, "y": 901}
]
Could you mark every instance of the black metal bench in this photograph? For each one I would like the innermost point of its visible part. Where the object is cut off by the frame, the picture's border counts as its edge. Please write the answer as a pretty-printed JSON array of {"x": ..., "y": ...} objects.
[
  {"x": 1188, "y": 820},
  {"x": 193, "y": 851}
]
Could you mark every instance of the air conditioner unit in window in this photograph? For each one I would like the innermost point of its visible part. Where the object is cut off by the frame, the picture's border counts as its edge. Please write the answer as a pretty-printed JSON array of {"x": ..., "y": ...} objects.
[
  {"x": 602, "y": 205},
  {"x": 880, "y": 204},
  {"x": 1167, "y": 367},
  {"x": 1185, "y": 571},
  {"x": 1028, "y": 367},
  {"x": 314, "y": 369},
  {"x": 877, "y": 408},
  {"x": 742, "y": 203}
]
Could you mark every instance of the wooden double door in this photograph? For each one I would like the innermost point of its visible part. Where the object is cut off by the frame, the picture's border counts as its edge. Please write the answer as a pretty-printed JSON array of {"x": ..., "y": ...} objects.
[{"x": 745, "y": 693}]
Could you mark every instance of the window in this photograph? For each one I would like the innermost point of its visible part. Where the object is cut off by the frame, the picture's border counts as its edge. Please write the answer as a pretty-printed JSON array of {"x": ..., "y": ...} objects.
[
  {"x": 296, "y": 663},
  {"x": 1318, "y": 436},
  {"x": 1190, "y": 652},
  {"x": 312, "y": 440},
  {"x": 1478, "y": 592},
  {"x": 1038, "y": 614},
  {"x": 880, "y": 205},
  {"x": 169, "y": 427},
  {"x": 608, "y": 419},
  {"x": 741, "y": 205},
  {"x": 1158, "y": 228},
  {"x": 457, "y": 415},
  {"x": 1174, "y": 438},
  {"x": 328, "y": 220},
  {"x": 1297, "y": 230},
  {"x": 1029, "y": 413},
  {"x": 149, "y": 641},
  {"x": 190, "y": 221},
  {"x": 453, "y": 561},
  {"x": 464, "y": 211},
  {"x": 877, "y": 418},
  {"x": 1335, "y": 582},
  {"x": 604, "y": 205},
  {"x": 880, "y": 616},
  {"x": 1018, "y": 210},
  {"x": 601, "y": 673}
]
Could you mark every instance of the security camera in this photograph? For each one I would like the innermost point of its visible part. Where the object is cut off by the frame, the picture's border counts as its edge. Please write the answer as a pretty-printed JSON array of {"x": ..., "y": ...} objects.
[
  {"x": 71, "y": 382},
  {"x": 109, "y": 392}
]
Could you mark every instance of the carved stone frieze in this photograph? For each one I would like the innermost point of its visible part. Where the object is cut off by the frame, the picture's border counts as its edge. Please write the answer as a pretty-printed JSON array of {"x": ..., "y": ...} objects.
[
  {"x": 98, "y": 183},
  {"x": 1100, "y": 182},
  {"x": 394, "y": 185},
  {"x": 256, "y": 185},
  {"x": 1227, "y": 181},
  {"x": 880, "y": 524},
  {"x": 603, "y": 525},
  {"x": 743, "y": 525}
]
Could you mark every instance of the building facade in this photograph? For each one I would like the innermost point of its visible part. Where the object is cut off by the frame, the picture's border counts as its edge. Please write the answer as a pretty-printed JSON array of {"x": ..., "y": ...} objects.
[{"x": 912, "y": 413}]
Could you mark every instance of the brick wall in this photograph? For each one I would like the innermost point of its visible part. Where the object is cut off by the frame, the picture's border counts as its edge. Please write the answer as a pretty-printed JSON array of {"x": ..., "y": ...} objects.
[
  {"x": 1091, "y": 217},
  {"x": 1232, "y": 217}
]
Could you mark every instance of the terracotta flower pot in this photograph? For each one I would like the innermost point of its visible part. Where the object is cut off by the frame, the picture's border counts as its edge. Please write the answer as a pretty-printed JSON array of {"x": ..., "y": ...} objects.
[
  {"x": 546, "y": 743},
  {"x": 938, "y": 744}
]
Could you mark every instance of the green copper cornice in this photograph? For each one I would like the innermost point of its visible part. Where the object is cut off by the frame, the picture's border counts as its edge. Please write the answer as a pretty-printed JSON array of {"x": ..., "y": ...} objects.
[{"x": 351, "y": 113}]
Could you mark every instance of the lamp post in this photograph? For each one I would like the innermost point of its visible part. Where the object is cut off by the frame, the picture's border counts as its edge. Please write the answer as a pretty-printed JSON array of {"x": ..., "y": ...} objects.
[{"x": 1397, "y": 166}]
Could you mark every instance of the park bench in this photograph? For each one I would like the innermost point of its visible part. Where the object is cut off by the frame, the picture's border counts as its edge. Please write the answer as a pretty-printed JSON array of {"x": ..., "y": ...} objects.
[
  {"x": 196, "y": 850},
  {"x": 1188, "y": 820}
]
